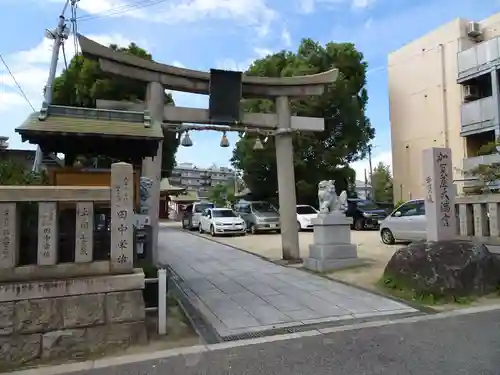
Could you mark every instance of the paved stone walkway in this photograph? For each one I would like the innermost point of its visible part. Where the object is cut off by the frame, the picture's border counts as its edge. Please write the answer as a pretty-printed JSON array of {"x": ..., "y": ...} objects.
[{"x": 240, "y": 295}]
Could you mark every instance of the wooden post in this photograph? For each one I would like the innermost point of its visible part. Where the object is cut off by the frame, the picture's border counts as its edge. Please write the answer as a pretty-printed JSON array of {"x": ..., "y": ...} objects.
[{"x": 122, "y": 217}]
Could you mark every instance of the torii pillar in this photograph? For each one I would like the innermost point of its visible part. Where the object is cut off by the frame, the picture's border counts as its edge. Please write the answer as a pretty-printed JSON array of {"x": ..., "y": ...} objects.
[
  {"x": 151, "y": 167},
  {"x": 286, "y": 181}
]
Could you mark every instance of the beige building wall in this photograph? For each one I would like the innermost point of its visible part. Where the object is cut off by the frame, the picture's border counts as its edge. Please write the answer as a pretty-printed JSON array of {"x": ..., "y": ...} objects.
[{"x": 425, "y": 101}]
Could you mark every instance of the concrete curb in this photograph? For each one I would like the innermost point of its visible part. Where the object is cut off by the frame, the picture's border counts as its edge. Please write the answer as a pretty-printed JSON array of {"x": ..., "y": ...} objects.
[{"x": 200, "y": 349}]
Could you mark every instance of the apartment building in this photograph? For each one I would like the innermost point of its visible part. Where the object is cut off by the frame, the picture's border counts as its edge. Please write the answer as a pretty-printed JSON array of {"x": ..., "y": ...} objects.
[
  {"x": 200, "y": 180},
  {"x": 444, "y": 92}
]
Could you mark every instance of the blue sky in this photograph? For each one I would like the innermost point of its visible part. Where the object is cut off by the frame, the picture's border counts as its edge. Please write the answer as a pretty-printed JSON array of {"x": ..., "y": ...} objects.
[{"x": 203, "y": 34}]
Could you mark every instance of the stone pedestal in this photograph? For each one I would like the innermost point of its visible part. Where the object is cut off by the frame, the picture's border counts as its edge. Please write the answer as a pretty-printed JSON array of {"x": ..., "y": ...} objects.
[{"x": 332, "y": 248}]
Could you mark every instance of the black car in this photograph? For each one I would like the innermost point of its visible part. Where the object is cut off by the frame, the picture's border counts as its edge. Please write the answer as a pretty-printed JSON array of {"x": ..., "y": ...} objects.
[{"x": 365, "y": 213}]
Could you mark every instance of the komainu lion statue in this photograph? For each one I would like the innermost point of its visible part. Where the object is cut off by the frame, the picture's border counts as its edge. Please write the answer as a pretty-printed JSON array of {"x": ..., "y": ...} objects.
[
  {"x": 328, "y": 199},
  {"x": 145, "y": 185}
]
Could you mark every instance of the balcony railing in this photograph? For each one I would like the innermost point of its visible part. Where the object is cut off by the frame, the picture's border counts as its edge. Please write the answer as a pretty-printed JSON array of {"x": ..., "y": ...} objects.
[
  {"x": 478, "y": 115},
  {"x": 474, "y": 162},
  {"x": 478, "y": 59}
]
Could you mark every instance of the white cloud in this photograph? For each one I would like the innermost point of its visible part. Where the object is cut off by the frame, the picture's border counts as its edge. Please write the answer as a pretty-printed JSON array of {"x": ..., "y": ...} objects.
[
  {"x": 230, "y": 64},
  {"x": 362, "y": 165},
  {"x": 368, "y": 23},
  {"x": 9, "y": 99},
  {"x": 310, "y": 6},
  {"x": 241, "y": 66},
  {"x": 178, "y": 64},
  {"x": 262, "y": 52},
  {"x": 286, "y": 38},
  {"x": 31, "y": 68},
  {"x": 361, "y": 4},
  {"x": 307, "y": 6},
  {"x": 254, "y": 13}
]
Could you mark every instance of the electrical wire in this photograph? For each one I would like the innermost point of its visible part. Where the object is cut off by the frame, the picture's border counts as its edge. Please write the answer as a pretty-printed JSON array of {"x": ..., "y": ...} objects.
[
  {"x": 17, "y": 83},
  {"x": 125, "y": 8}
]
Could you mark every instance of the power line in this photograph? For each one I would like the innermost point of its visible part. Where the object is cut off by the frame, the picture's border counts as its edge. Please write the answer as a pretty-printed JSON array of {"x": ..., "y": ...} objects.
[
  {"x": 17, "y": 83},
  {"x": 122, "y": 9}
]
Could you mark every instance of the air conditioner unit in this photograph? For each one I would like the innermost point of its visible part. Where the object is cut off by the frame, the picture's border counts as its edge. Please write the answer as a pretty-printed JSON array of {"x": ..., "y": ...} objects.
[
  {"x": 471, "y": 92},
  {"x": 474, "y": 30}
]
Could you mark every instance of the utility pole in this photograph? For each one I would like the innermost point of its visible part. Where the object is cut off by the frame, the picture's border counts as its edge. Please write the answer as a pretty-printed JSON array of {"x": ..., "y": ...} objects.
[
  {"x": 59, "y": 34},
  {"x": 235, "y": 182},
  {"x": 371, "y": 172}
]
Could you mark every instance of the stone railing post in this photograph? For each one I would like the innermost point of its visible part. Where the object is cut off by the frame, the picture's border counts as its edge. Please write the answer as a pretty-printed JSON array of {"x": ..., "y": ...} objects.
[
  {"x": 48, "y": 236},
  {"x": 122, "y": 217},
  {"x": 84, "y": 236},
  {"x": 9, "y": 243}
]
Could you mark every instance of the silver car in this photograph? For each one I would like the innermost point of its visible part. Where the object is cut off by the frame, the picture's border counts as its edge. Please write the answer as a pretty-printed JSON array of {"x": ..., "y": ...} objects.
[
  {"x": 259, "y": 216},
  {"x": 406, "y": 223}
]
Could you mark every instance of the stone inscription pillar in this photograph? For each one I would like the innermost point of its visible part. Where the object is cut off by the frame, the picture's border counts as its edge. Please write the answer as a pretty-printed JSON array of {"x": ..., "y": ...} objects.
[
  {"x": 48, "y": 235},
  {"x": 84, "y": 236},
  {"x": 151, "y": 167},
  {"x": 122, "y": 217},
  {"x": 8, "y": 236},
  {"x": 439, "y": 194},
  {"x": 286, "y": 182}
]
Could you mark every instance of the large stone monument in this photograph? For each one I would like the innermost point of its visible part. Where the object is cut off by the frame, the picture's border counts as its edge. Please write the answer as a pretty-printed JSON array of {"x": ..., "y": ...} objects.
[
  {"x": 439, "y": 194},
  {"x": 332, "y": 248}
]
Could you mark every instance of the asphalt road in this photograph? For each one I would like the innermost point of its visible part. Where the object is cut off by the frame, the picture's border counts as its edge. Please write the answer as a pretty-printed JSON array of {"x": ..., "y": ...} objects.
[{"x": 468, "y": 344}]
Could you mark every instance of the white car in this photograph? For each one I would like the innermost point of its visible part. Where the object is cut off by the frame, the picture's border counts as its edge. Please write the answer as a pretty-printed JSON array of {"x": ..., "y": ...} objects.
[
  {"x": 305, "y": 214},
  {"x": 405, "y": 223},
  {"x": 221, "y": 221}
]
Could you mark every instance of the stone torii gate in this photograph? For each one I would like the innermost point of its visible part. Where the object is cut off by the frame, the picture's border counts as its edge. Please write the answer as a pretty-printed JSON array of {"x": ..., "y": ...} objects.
[{"x": 160, "y": 77}]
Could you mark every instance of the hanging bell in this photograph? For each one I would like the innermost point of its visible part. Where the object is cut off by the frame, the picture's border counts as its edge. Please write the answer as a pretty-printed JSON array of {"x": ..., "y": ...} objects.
[
  {"x": 258, "y": 144},
  {"x": 224, "y": 142},
  {"x": 186, "y": 140}
]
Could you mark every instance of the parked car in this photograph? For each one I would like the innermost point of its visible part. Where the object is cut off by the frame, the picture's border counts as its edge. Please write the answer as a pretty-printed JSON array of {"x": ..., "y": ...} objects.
[
  {"x": 192, "y": 213},
  {"x": 305, "y": 214},
  {"x": 259, "y": 216},
  {"x": 221, "y": 221},
  {"x": 365, "y": 213},
  {"x": 406, "y": 223}
]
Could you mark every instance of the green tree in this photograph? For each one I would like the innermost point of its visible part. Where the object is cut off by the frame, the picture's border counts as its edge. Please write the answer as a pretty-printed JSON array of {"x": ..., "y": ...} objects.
[
  {"x": 12, "y": 173},
  {"x": 83, "y": 82},
  {"x": 220, "y": 194},
  {"x": 382, "y": 183},
  {"x": 317, "y": 156}
]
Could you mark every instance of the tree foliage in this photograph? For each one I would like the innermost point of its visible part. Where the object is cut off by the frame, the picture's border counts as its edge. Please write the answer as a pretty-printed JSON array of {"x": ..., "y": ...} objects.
[
  {"x": 220, "y": 194},
  {"x": 12, "y": 173},
  {"x": 487, "y": 175},
  {"x": 319, "y": 155},
  {"x": 382, "y": 183},
  {"x": 83, "y": 82}
]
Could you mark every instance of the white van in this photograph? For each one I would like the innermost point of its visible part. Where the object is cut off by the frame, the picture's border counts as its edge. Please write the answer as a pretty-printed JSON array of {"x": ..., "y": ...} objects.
[{"x": 192, "y": 214}]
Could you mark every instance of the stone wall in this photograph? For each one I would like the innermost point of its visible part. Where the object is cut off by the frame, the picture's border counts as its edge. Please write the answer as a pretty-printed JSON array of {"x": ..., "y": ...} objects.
[{"x": 70, "y": 318}]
